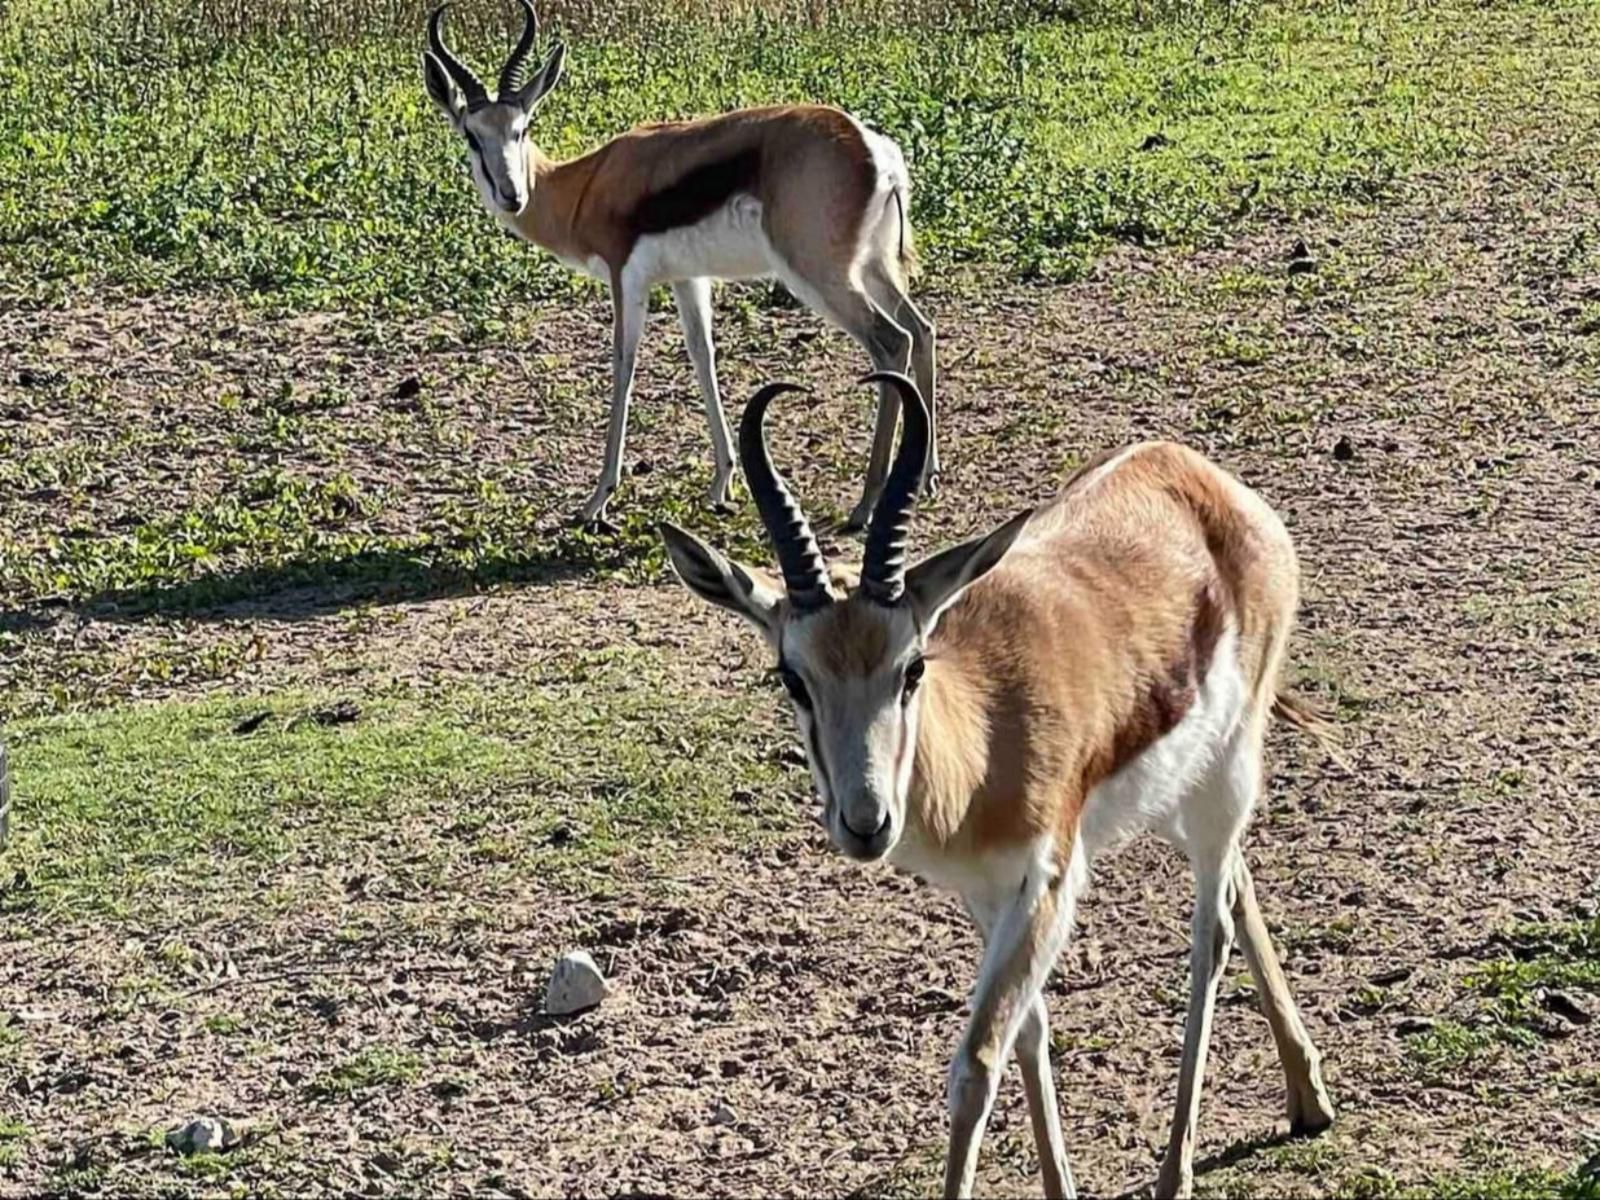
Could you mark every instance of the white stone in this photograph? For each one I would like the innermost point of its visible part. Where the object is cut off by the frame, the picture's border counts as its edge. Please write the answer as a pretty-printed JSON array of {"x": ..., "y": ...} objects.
[
  {"x": 203, "y": 1135},
  {"x": 575, "y": 984}
]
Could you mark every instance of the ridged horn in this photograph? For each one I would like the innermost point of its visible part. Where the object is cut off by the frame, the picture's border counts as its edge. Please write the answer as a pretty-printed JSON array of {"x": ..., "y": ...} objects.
[
  {"x": 471, "y": 87},
  {"x": 805, "y": 575},
  {"x": 883, "y": 566},
  {"x": 511, "y": 73}
]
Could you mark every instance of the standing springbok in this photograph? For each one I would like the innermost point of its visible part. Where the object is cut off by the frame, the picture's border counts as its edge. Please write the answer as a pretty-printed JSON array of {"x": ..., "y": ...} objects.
[
  {"x": 996, "y": 715},
  {"x": 802, "y": 193}
]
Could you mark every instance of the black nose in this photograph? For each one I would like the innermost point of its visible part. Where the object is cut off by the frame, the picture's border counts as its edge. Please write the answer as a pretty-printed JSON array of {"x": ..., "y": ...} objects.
[
  {"x": 509, "y": 203},
  {"x": 865, "y": 837}
]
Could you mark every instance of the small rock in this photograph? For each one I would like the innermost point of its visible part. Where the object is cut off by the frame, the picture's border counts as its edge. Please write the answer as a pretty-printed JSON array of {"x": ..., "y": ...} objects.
[
  {"x": 723, "y": 1115},
  {"x": 1343, "y": 450},
  {"x": 1568, "y": 1007},
  {"x": 575, "y": 985},
  {"x": 203, "y": 1135}
]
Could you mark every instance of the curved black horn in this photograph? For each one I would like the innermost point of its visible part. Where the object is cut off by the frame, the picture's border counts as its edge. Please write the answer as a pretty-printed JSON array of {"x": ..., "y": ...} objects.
[
  {"x": 511, "y": 73},
  {"x": 804, "y": 573},
  {"x": 883, "y": 566},
  {"x": 471, "y": 87}
]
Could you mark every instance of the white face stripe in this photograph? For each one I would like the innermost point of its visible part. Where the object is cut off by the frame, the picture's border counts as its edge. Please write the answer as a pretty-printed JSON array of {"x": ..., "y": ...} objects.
[
  {"x": 498, "y": 150},
  {"x": 859, "y": 728}
]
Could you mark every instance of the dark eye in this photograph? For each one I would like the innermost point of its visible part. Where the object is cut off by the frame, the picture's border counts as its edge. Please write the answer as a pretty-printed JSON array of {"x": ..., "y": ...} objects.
[
  {"x": 913, "y": 677},
  {"x": 795, "y": 686},
  {"x": 473, "y": 142}
]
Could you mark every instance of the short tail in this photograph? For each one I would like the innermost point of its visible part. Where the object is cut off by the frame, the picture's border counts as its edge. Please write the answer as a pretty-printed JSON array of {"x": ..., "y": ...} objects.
[
  {"x": 910, "y": 264},
  {"x": 1313, "y": 721}
]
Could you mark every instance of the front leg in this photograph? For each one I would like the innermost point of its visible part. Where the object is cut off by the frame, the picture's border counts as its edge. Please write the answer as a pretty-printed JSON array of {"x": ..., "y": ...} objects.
[
  {"x": 1033, "y": 1056},
  {"x": 1018, "y": 954},
  {"x": 693, "y": 297},
  {"x": 630, "y": 301}
]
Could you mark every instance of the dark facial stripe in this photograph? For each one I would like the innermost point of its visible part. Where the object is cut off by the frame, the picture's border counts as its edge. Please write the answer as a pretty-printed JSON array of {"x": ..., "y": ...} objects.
[
  {"x": 816, "y": 758},
  {"x": 696, "y": 194}
]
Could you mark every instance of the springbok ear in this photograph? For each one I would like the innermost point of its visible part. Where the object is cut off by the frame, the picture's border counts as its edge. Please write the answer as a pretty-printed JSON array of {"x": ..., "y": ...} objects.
[
  {"x": 726, "y": 584},
  {"x": 936, "y": 582},
  {"x": 440, "y": 89},
  {"x": 548, "y": 76}
]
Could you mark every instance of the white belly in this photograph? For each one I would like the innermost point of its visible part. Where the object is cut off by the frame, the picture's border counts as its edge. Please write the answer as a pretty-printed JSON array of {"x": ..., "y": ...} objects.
[
  {"x": 1148, "y": 794},
  {"x": 729, "y": 244}
]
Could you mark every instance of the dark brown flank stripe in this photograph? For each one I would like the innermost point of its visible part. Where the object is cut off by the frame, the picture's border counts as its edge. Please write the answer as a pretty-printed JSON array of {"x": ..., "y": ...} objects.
[
  {"x": 696, "y": 195},
  {"x": 1170, "y": 698}
]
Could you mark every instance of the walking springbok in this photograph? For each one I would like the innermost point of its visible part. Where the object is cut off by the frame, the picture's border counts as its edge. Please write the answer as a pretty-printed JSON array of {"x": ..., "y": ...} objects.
[
  {"x": 996, "y": 715},
  {"x": 802, "y": 193}
]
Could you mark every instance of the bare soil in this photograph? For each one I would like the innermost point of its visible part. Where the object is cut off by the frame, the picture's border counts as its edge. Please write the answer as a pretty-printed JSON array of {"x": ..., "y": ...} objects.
[{"x": 1420, "y": 403}]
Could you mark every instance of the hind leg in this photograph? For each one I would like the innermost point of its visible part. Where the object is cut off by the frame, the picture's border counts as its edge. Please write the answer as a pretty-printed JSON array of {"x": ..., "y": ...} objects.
[
  {"x": 1210, "y": 820},
  {"x": 848, "y": 304},
  {"x": 889, "y": 292},
  {"x": 1310, "y": 1110}
]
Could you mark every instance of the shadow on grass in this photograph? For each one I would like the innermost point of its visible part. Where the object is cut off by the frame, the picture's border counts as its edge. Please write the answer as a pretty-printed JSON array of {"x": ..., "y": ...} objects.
[
  {"x": 1238, "y": 1152},
  {"x": 296, "y": 591}
]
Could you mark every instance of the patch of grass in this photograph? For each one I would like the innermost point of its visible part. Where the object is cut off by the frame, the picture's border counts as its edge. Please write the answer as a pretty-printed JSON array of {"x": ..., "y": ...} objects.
[
  {"x": 1507, "y": 1183},
  {"x": 373, "y": 1068},
  {"x": 297, "y": 161},
  {"x": 1543, "y": 956},
  {"x": 1448, "y": 1047},
  {"x": 224, "y": 1024},
  {"x": 127, "y": 810},
  {"x": 279, "y": 531},
  {"x": 13, "y": 1134}
]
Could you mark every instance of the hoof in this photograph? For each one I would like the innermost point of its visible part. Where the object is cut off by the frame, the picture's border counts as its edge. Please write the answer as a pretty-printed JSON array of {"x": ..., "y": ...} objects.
[{"x": 1313, "y": 1119}]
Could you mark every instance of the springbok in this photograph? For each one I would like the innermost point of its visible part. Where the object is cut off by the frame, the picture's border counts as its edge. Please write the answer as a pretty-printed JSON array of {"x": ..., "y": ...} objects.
[
  {"x": 802, "y": 193},
  {"x": 994, "y": 716}
]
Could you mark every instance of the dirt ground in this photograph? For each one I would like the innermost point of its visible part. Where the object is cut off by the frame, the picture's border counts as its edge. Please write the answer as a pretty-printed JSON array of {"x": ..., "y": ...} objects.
[{"x": 1420, "y": 403}]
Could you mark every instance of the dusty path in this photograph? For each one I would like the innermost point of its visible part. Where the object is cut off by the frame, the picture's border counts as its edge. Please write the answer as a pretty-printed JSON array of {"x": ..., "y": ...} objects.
[{"x": 1422, "y": 406}]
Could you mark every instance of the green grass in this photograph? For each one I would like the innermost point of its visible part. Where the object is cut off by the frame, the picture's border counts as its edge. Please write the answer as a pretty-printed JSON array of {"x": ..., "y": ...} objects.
[
  {"x": 1505, "y": 1183},
  {"x": 374, "y": 1067},
  {"x": 1509, "y": 993},
  {"x": 130, "y": 810},
  {"x": 280, "y": 530},
  {"x": 13, "y": 1134},
  {"x": 1543, "y": 956},
  {"x": 152, "y": 155}
]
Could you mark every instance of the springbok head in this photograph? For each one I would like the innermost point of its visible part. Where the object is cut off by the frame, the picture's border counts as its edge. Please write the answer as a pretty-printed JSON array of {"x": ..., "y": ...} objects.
[
  {"x": 853, "y": 660},
  {"x": 496, "y": 128}
]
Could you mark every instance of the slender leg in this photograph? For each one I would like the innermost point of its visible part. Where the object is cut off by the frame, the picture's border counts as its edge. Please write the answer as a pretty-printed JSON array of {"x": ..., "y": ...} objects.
[
  {"x": 890, "y": 294},
  {"x": 630, "y": 303},
  {"x": 849, "y": 304},
  {"x": 1018, "y": 955},
  {"x": 693, "y": 297},
  {"x": 1033, "y": 1056},
  {"x": 1310, "y": 1110},
  {"x": 1211, "y": 938},
  {"x": 890, "y": 349}
]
